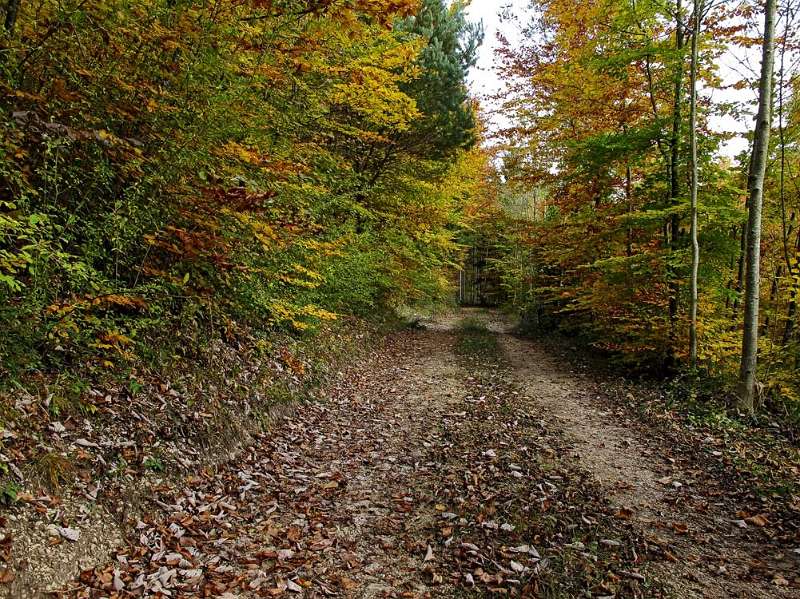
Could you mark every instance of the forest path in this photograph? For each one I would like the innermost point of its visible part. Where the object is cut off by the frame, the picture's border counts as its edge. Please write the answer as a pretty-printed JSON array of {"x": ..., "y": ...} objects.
[
  {"x": 678, "y": 509},
  {"x": 450, "y": 463}
]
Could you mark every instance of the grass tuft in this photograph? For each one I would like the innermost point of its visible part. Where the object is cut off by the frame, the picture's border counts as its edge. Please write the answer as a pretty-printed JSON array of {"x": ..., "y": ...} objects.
[{"x": 475, "y": 340}]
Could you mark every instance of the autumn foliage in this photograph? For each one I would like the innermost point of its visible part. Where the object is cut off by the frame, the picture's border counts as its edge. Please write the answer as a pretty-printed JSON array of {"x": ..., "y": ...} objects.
[
  {"x": 596, "y": 185},
  {"x": 172, "y": 168}
]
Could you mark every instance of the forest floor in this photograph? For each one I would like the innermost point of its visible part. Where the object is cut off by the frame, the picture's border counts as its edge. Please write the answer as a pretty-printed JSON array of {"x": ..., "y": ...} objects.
[{"x": 456, "y": 460}]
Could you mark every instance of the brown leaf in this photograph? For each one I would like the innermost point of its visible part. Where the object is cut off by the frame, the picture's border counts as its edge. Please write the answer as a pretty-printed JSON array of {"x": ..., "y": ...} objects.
[
  {"x": 624, "y": 513},
  {"x": 757, "y": 520},
  {"x": 780, "y": 581},
  {"x": 680, "y": 527}
]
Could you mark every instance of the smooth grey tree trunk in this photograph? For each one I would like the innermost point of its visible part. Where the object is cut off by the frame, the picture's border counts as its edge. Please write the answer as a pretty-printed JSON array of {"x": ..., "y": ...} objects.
[
  {"x": 758, "y": 166},
  {"x": 674, "y": 167},
  {"x": 698, "y": 12}
]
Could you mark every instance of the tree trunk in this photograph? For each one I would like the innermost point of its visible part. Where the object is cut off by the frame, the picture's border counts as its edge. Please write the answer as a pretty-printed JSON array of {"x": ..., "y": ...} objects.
[
  {"x": 629, "y": 199},
  {"x": 791, "y": 311},
  {"x": 677, "y": 106},
  {"x": 774, "y": 292},
  {"x": 674, "y": 167},
  {"x": 740, "y": 264},
  {"x": 698, "y": 11},
  {"x": 747, "y": 374},
  {"x": 787, "y": 226}
]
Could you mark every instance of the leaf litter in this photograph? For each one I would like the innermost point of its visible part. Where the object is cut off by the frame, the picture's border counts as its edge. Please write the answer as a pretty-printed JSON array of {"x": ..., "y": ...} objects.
[{"x": 422, "y": 474}]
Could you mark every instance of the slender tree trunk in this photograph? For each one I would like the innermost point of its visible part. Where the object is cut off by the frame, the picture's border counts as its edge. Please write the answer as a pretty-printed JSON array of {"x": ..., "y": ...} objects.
[
  {"x": 774, "y": 292},
  {"x": 732, "y": 281},
  {"x": 787, "y": 225},
  {"x": 475, "y": 276},
  {"x": 12, "y": 9},
  {"x": 791, "y": 311},
  {"x": 790, "y": 315},
  {"x": 629, "y": 198},
  {"x": 674, "y": 167},
  {"x": 698, "y": 11},
  {"x": 747, "y": 375},
  {"x": 677, "y": 108},
  {"x": 740, "y": 267}
]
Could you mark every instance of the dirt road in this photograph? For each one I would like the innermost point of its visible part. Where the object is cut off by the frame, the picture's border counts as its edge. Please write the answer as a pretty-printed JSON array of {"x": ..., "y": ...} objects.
[{"x": 451, "y": 463}]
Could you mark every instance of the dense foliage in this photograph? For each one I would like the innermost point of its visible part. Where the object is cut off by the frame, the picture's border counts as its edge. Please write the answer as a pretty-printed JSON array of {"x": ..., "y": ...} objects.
[
  {"x": 170, "y": 168},
  {"x": 597, "y": 178}
]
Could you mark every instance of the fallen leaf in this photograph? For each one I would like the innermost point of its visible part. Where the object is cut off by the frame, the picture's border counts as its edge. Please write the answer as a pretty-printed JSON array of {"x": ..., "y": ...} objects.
[
  {"x": 526, "y": 549},
  {"x": 284, "y": 554},
  {"x": 680, "y": 527},
  {"x": 85, "y": 443},
  {"x": 759, "y": 520},
  {"x": 118, "y": 584},
  {"x": 624, "y": 513},
  {"x": 780, "y": 581}
]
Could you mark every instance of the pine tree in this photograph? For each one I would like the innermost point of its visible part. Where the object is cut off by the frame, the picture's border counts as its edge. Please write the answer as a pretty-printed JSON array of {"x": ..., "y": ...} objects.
[{"x": 452, "y": 42}]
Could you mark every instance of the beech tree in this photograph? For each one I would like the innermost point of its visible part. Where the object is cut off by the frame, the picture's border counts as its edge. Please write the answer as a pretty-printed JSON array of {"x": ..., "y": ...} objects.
[
  {"x": 758, "y": 164},
  {"x": 696, "y": 24}
]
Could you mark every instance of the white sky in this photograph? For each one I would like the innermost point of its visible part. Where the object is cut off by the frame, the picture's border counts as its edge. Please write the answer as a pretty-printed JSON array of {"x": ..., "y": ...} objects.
[{"x": 485, "y": 79}]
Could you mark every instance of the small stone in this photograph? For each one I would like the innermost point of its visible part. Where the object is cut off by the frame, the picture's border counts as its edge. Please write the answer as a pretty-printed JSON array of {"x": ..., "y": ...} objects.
[{"x": 70, "y": 534}]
